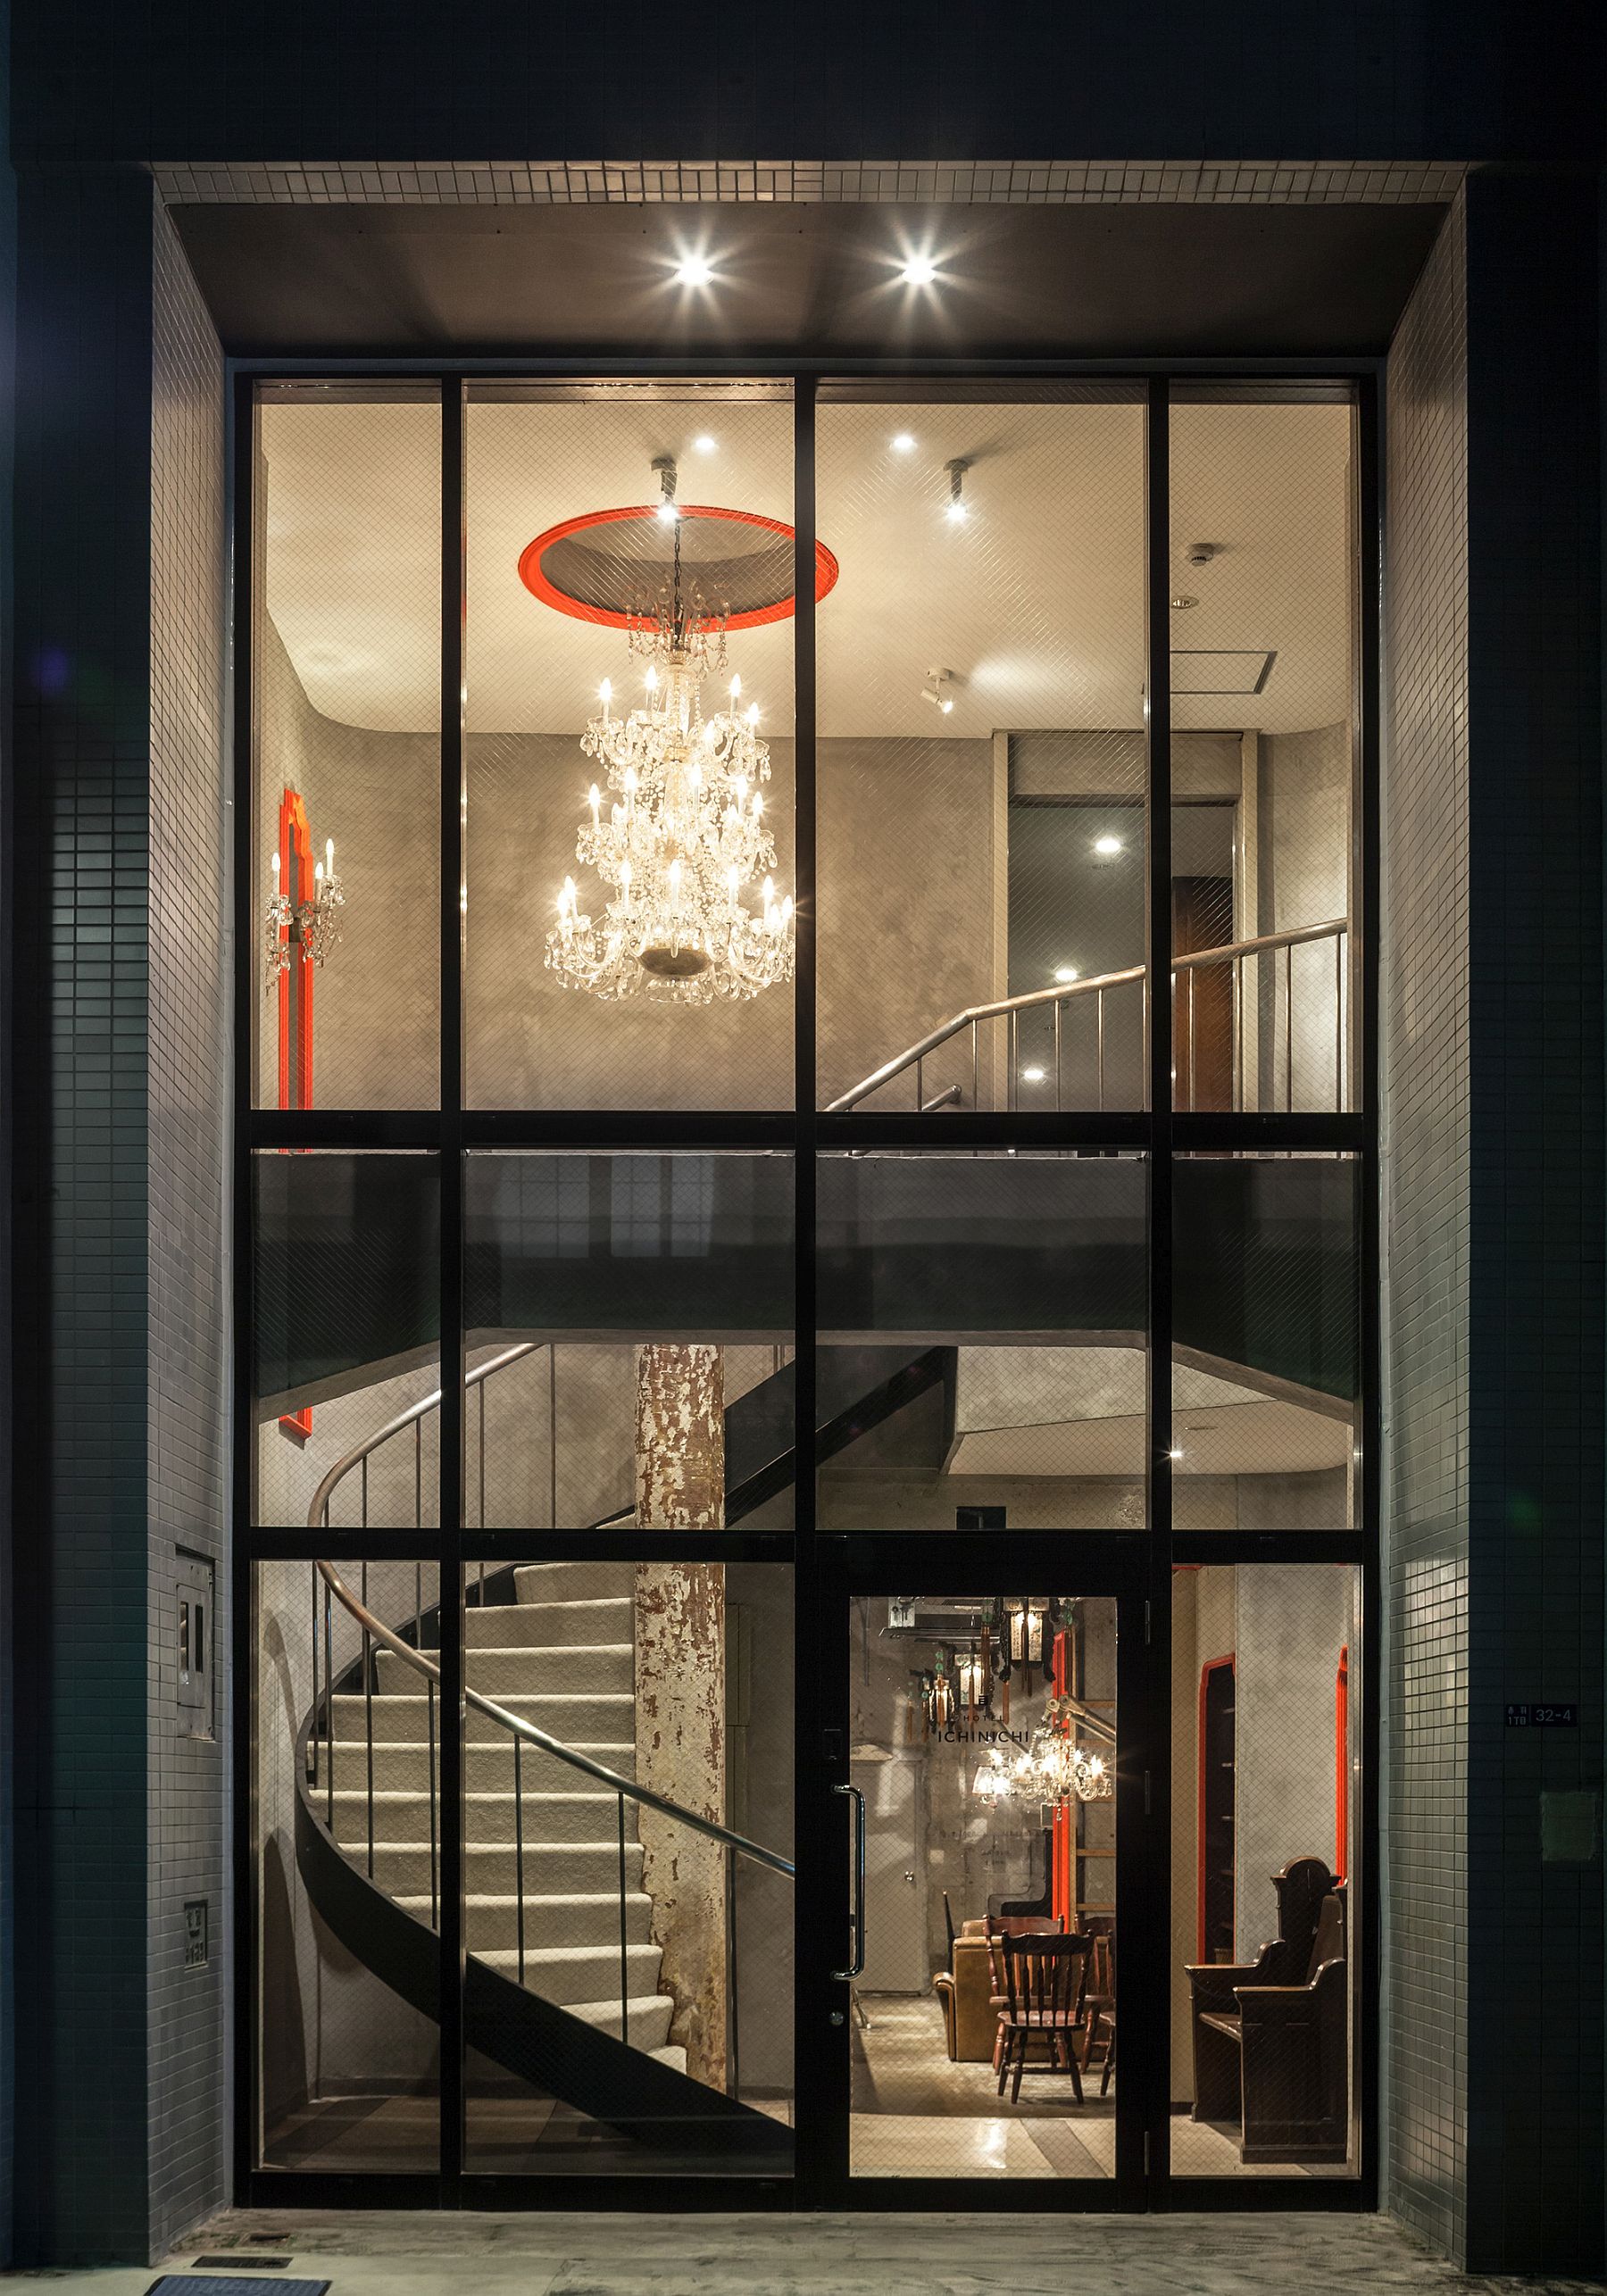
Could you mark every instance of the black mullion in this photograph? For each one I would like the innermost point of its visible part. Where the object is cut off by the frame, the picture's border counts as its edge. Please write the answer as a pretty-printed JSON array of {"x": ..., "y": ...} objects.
[
  {"x": 820, "y": 2068},
  {"x": 451, "y": 1413},
  {"x": 1369, "y": 576},
  {"x": 1155, "y": 1720},
  {"x": 246, "y": 2012}
]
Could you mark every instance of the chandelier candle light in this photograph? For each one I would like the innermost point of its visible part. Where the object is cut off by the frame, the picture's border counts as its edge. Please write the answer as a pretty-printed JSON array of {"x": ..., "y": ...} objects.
[
  {"x": 313, "y": 924},
  {"x": 680, "y": 836}
]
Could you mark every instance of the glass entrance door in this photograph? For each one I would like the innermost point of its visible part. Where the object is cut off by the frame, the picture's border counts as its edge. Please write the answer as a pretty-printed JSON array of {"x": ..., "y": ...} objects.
[{"x": 986, "y": 1782}]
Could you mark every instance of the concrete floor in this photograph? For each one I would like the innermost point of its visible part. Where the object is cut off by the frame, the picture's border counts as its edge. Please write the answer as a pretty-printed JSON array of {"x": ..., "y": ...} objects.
[{"x": 365, "y": 2254}]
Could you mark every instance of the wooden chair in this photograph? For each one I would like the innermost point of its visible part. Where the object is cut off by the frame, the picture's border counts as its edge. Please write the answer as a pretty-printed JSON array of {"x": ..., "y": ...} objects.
[
  {"x": 1269, "y": 2036},
  {"x": 1044, "y": 1976},
  {"x": 996, "y": 1926},
  {"x": 1099, "y": 2001}
]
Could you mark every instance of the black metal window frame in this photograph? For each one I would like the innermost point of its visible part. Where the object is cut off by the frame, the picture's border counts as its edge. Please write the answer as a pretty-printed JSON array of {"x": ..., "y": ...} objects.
[{"x": 1137, "y": 1567}]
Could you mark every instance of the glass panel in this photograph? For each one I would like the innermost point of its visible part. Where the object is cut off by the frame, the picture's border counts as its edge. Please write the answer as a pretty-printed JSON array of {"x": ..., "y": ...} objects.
[
  {"x": 630, "y": 1342},
  {"x": 594, "y": 1918},
  {"x": 981, "y": 762},
  {"x": 346, "y": 1363},
  {"x": 346, "y": 778},
  {"x": 984, "y": 1741},
  {"x": 1263, "y": 525},
  {"x": 1266, "y": 1375},
  {"x": 667, "y": 983},
  {"x": 982, "y": 1342},
  {"x": 347, "y": 1869},
  {"x": 1266, "y": 1808}
]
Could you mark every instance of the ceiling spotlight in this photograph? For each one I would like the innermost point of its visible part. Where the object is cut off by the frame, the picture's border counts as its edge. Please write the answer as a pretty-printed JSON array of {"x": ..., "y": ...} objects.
[
  {"x": 903, "y": 443},
  {"x": 1032, "y": 1076},
  {"x": 1107, "y": 844},
  {"x": 920, "y": 270},
  {"x": 693, "y": 270},
  {"x": 957, "y": 469},
  {"x": 938, "y": 691},
  {"x": 1065, "y": 973},
  {"x": 703, "y": 443}
]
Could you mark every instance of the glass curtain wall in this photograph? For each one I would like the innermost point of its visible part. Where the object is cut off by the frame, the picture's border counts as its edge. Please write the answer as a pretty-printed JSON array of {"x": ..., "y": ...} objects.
[{"x": 803, "y": 1000}]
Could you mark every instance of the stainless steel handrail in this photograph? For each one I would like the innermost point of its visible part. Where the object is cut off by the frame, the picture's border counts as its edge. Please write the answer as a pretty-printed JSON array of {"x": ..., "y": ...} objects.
[
  {"x": 1062, "y": 993},
  {"x": 969, "y": 1019},
  {"x": 410, "y": 1656},
  {"x": 407, "y": 1418}
]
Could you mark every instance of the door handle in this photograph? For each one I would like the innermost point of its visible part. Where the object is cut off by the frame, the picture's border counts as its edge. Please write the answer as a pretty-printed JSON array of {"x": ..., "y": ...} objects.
[{"x": 846, "y": 1976}]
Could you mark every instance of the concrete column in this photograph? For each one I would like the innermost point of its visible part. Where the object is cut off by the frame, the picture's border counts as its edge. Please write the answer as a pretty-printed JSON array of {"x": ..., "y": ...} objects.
[
  {"x": 680, "y": 1701},
  {"x": 680, "y": 1438}
]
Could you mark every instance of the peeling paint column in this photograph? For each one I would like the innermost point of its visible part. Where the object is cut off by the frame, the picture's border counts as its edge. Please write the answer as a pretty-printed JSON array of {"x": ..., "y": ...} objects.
[{"x": 680, "y": 1687}]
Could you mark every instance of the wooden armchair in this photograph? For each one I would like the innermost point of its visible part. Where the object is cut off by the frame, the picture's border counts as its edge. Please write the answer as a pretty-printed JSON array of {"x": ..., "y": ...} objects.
[{"x": 1270, "y": 2036}]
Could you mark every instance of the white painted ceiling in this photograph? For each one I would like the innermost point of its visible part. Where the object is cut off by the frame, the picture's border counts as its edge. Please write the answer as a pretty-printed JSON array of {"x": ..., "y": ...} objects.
[{"x": 1035, "y": 602}]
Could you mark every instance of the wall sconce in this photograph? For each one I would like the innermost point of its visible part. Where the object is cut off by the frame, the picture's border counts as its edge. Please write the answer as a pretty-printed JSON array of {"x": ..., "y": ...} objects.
[{"x": 311, "y": 926}]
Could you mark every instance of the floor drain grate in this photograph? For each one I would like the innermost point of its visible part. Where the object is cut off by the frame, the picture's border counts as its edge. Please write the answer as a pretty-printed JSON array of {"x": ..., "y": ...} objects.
[{"x": 233, "y": 2282}]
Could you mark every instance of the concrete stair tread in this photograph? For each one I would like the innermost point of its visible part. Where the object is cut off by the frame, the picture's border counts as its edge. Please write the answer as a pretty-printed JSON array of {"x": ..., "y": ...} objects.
[{"x": 548, "y": 1957}]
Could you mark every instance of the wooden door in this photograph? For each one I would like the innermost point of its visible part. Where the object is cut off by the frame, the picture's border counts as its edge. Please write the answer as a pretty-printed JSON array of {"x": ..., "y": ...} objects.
[{"x": 1203, "y": 1005}]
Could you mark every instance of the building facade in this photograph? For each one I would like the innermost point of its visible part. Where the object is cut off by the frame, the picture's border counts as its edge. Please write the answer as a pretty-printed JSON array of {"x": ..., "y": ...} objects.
[{"x": 542, "y": 1209}]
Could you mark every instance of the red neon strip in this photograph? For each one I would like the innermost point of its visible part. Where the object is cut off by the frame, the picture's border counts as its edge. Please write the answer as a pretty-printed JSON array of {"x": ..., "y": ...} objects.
[
  {"x": 295, "y": 984},
  {"x": 1062, "y": 1903}
]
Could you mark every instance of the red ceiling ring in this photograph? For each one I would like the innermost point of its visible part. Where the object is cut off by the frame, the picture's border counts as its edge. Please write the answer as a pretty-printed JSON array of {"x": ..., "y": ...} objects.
[{"x": 533, "y": 575}]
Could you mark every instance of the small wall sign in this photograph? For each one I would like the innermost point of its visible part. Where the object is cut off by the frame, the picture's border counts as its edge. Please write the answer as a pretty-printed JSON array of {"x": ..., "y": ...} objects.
[
  {"x": 195, "y": 1934},
  {"x": 1563, "y": 1715}
]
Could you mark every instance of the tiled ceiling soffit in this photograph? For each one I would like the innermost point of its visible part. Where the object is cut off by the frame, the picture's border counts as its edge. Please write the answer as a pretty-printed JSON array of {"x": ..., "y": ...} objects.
[{"x": 1051, "y": 183}]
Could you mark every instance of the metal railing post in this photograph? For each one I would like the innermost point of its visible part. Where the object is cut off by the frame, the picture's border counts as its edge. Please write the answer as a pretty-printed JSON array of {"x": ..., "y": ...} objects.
[
  {"x": 1288, "y": 1026},
  {"x": 313, "y": 1734},
  {"x": 368, "y": 1722},
  {"x": 519, "y": 1910},
  {"x": 329, "y": 1708},
  {"x": 733, "y": 1986},
  {"x": 624, "y": 1934},
  {"x": 429, "y": 1729}
]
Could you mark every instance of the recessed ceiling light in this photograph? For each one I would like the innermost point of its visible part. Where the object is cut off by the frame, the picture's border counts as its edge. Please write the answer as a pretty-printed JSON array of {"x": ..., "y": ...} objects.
[
  {"x": 1107, "y": 844},
  {"x": 903, "y": 443},
  {"x": 1182, "y": 602},
  {"x": 703, "y": 443},
  {"x": 1065, "y": 973},
  {"x": 693, "y": 270},
  {"x": 1033, "y": 1076},
  {"x": 920, "y": 270}
]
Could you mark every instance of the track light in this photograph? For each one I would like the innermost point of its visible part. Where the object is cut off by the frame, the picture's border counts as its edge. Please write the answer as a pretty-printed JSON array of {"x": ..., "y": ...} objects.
[
  {"x": 938, "y": 691},
  {"x": 956, "y": 471}
]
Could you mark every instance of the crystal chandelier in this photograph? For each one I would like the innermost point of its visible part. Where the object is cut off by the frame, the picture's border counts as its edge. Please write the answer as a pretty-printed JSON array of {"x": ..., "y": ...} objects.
[
  {"x": 311, "y": 926},
  {"x": 681, "y": 839}
]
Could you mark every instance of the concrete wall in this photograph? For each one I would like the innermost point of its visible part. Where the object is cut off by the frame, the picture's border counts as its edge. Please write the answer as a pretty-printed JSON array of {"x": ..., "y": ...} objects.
[{"x": 376, "y": 1002}]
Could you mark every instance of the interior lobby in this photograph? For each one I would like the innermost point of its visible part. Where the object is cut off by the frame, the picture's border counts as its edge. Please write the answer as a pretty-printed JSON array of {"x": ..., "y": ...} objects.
[{"x": 803, "y": 1106}]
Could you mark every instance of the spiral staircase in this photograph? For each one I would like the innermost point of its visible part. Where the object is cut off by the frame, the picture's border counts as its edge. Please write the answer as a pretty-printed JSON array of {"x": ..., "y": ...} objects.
[{"x": 564, "y": 1984}]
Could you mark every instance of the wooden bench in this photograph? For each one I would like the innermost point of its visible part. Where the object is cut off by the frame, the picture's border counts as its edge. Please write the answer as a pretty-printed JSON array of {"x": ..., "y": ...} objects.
[{"x": 1270, "y": 2036}]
